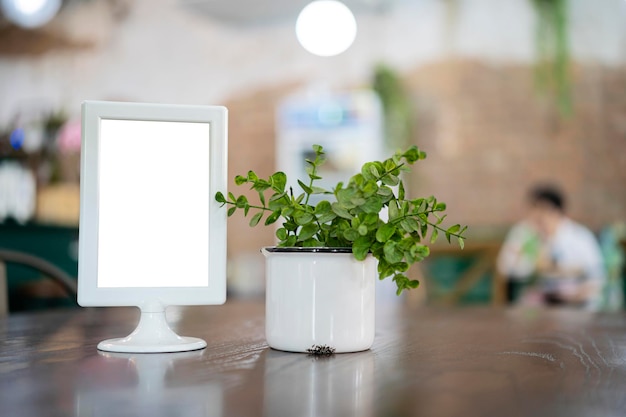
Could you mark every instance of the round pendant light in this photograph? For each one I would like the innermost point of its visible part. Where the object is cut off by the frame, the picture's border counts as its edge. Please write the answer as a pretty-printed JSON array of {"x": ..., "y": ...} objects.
[
  {"x": 326, "y": 27},
  {"x": 30, "y": 13}
]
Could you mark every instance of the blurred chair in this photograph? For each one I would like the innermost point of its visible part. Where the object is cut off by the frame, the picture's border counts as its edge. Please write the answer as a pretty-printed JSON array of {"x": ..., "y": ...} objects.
[
  {"x": 613, "y": 246},
  {"x": 452, "y": 274},
  {"x": 60, "y": 277},
  {"x": 4, "y": 298}
]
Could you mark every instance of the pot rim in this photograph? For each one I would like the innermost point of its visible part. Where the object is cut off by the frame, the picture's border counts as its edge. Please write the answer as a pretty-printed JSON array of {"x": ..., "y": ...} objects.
[{"x": 317, "y": 249}]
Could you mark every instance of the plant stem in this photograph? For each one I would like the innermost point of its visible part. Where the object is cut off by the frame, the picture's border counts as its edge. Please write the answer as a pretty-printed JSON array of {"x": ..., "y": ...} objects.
[
  {"x": 384, "y": 174},
  {"x": 250, "y": 206},
  {"x": 311, "y": 179},
  {"x": 428, "y": 222}
]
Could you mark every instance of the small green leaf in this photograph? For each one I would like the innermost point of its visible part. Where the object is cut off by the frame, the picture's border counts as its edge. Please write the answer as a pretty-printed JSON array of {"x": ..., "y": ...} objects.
[
  {"x": 307, "y": 232},
  {"x": 410, "y": 225},
  {"x": 319, "y": 190},
  {"x": 279, "y": 201},
  {"x": 272, "y": 218},
  {"x": 392, "y": 254},
  {"x": 420, "y": 204},
  {"x": 345, "y": 196},
  {"x": 404, "y": 208},
  {"x": 384, "y": 268},
  {"x": 374, "y": 171},
  {"x": 278, "y": 182},
  {"x": 371, "y": 219},
  {"x": 260, "y": 185},
  {"x": 242, "y": 201},
  {"x": 341, "y": 211},
  {"x": 385, "y": 232},
  {"x": 277, "y": 196},
  {"x": 357, "y": 201},
  {"x": 255, "y": 219},
  {"x": 394, "y": 213},
  {"x": 390, "y": 179},
  {"x": 252, "y": 176},
  {"x": 219, "y": 197},
  {"x": 300, "y": 198},
  {"x": 302, "y": 217},
  {"x": 326, "y": 217},
  {"x": 366, "y": 172},
  {"x": 369, "y": 188},
  {"x": 373, "y": 204},
  {"x": 323, "y": 207},
  {"x": 355, "y": 222},
  {"x": 291, "y": 241},
  {"x": 385, "y": 191},
  {"x": 362, "y": 229},
  {"x": 311, "y": 243},
  {"x": 413, "y": 154},
  {"x": 358, "y": 180},
  {"x": 453, "y": 229},
  {"x": 361, "y": 247},
  {"x": 434, "y": 235},
  {"x": 351, "y": 234},
  {"x": 281, "y": 233},
  {"x": 401, "y": 266},
  {"x": 305, "y": 187},
  {"x": 231, "y": 211},
  {"x": 240, "y": 179}
]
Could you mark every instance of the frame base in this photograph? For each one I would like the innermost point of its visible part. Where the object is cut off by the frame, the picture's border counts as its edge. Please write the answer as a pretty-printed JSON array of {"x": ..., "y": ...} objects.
[{"x": 152, "y": 335}]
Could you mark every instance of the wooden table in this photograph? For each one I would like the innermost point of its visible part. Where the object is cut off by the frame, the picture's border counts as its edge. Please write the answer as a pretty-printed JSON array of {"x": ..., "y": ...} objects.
[{"x": 424, "y": 362}]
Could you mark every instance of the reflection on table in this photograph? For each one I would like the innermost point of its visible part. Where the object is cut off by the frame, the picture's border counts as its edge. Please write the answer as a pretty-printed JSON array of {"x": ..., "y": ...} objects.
[{"x": 144, "y": 384}]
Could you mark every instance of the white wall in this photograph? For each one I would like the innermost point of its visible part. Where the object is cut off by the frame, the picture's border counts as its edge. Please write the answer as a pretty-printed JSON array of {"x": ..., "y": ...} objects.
[{"x": 163, "y": 53}]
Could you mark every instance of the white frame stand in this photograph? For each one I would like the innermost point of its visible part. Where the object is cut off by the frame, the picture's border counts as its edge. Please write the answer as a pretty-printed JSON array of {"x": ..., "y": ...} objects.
[{"x": 152, "y": 335}]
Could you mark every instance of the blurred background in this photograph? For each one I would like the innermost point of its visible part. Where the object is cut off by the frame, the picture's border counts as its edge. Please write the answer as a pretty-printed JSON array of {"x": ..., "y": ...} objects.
[{"x": 500, "y": 94}]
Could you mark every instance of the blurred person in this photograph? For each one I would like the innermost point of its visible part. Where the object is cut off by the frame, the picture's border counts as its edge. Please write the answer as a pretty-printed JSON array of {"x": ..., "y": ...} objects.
[{"x": 555, "y": 259}]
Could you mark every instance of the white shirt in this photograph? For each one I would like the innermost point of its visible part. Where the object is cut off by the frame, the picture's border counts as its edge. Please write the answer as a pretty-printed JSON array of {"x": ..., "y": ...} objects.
[{"x": 572, "y": 248}]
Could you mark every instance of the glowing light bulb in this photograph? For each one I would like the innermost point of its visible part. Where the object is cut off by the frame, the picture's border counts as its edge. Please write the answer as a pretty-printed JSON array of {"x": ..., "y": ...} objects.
[
  {"x": 29, "y": 6},
  {"x": 30, "y": 13},
  {"x": 326, "y": 27}
]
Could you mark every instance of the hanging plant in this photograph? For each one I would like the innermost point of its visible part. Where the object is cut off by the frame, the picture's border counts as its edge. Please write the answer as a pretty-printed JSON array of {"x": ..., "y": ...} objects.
[
  {"x": 552, "y": 72},
  {"x": 397, "y": 108}
]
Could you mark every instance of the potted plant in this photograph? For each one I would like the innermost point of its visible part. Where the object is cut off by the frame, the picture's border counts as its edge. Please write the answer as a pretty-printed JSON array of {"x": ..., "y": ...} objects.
[{"x": 321, "y": 274}]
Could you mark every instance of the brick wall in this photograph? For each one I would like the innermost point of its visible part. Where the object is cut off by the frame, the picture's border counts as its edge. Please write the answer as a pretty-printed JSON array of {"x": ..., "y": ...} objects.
[{"x": 489, "y": 136}]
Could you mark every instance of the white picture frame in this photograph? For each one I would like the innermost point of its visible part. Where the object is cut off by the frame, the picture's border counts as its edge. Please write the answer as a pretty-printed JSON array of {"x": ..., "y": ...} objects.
[{"x": 149, "y": 174}]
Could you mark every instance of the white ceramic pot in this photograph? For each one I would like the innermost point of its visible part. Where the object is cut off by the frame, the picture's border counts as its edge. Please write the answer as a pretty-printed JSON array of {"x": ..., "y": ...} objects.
[{"x": 319, "y": 296}]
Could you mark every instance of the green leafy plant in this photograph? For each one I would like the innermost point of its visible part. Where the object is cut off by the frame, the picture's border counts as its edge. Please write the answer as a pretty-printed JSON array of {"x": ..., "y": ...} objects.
[{"x": 351, "y": 216}]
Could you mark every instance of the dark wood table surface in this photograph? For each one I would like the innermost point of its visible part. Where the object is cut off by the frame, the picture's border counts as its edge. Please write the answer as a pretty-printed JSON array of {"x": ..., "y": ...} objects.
[{"x": 424, "y": 362}]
